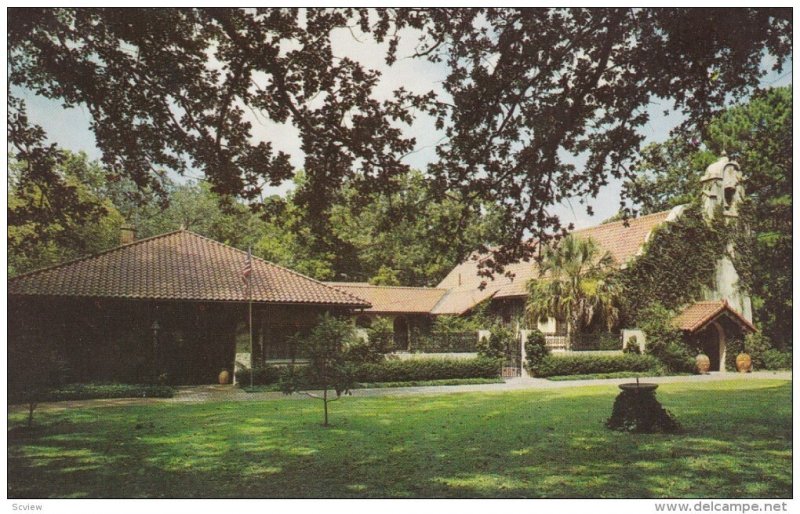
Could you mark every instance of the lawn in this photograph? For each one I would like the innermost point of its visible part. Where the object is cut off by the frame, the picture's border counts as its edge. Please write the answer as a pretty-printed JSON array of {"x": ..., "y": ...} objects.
[{"x": 736, "y": 443}]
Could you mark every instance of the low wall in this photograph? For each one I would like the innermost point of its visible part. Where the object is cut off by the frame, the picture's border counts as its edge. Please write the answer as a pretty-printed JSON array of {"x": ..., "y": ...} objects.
[{"x": 410, "y": 356}]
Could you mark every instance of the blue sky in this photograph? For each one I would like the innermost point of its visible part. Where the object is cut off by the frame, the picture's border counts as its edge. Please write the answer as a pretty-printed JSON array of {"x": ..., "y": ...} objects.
[{"x": 70, "y": 127}]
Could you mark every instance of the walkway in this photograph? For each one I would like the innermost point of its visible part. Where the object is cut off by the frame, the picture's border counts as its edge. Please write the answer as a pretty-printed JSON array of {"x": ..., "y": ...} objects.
[
  {"x": 219, "y": 393},
  {"x": 216, "y": 393}
]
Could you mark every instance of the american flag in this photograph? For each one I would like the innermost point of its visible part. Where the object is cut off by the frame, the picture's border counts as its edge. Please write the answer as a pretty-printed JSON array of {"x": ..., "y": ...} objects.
[{"x": 247, "y": 269}]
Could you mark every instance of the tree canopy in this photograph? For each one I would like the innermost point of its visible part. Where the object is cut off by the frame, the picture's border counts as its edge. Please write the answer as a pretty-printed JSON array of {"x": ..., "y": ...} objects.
[
  {"x": 758, "y": 135},
  {"x": 527, "y": 91}
]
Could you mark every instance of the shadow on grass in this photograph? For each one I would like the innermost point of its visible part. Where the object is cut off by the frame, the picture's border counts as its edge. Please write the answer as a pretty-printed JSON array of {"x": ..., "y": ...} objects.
[{"x": 736, "y": 443}]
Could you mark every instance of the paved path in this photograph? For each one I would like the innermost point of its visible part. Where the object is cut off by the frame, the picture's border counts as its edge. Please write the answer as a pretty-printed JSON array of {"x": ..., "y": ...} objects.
[{"x": 214, "y": 393}]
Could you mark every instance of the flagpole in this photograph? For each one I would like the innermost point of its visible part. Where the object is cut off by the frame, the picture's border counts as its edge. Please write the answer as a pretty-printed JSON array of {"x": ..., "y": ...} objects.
[{"x": 250, "y": 312}]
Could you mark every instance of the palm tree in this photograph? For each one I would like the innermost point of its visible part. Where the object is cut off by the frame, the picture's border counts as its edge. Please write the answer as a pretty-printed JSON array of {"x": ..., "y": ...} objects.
[{"x": 575, "y": 285}]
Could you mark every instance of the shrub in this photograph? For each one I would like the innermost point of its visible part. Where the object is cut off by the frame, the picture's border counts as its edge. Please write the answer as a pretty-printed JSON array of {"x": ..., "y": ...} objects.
[
  {"x": 535, "y": 350},
  {"x": 96, "y": 391},
  {"x": 380, "y": 336},
  {"x": 776, "y": 359},
  {"x": 553, "y": 365},
  {"x": 501, "y": 340},
  {"x": 665, "y": 341},
  {"x": 261, "y": 376},
  {"x": 427, "y": 369},
  {"x": 632, "y": 346},
  {"x": 756, "y": 345}
]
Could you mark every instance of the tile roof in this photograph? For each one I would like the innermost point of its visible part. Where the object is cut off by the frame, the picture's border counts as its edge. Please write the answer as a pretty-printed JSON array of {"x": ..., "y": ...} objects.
[
  {"x": 622, "y": 242},
  {"x": 458, "y": 301},
  {"x": 699, "y": 314},
  {"x": 392, "y": 298},
  {"x": 178, "y": 265}
]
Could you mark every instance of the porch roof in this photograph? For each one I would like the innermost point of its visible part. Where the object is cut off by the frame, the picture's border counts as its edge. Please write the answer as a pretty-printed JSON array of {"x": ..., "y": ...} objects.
[
  {"x": 389, "y": 299},
  {"x": 178, "y": 265},
  {"x": 698, "y": 315}
]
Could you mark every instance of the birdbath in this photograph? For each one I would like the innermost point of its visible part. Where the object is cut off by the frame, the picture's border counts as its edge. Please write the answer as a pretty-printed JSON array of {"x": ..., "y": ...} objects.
[
  {"x": 638, "y": 386},
  {"x": 637, "y": 410}
]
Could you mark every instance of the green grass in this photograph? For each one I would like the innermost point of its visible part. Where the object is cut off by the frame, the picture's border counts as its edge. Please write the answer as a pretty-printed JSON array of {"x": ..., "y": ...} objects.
[{"x": 736, "y": 443}]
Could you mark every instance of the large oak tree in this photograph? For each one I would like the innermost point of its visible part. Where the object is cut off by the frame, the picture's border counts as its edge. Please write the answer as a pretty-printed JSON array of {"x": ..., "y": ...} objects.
[{"x": 528, "y": 92}]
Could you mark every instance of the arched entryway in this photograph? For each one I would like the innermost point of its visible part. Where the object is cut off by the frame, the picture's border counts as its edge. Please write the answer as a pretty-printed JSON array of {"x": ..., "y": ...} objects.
[{"x": 712, "y": 343}]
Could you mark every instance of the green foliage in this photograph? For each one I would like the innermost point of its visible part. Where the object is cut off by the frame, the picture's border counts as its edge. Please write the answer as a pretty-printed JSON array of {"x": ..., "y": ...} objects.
[
  {"x": 48, "y": 226},
  {"x": 371, "y": 349},
  {"x": 453, "y": 334},
  {"x": 640, "y": 412},
  {"x": 328, "y": 366},
  {"x": 678, "y": 263},
  {"x": 425, "y": 383},
  {"x": 99, "y": 391},
  {"x": 501, "y": 342},
  {"x": 407, "y": 236},
  {"x": 581, "y": 364},
  {"x": 263, "y": 375},
  {"x": 755, "y": 345},
  {"x": 535, "y": 350},
  {"x": 575, "y": 285},
  {"x": 402, "y": 446},
  {"x": 325, "y": 347},
  {"x": 427, "y": 369},
  {"x": 514, "y": 153},
  {"x": 776, "y": 359},
  {"x": 665, "y": 341},
  {"x": 632, "y": 346},
  {"x": 380, "y": 340},
  {"x": 757, "y": 134}
]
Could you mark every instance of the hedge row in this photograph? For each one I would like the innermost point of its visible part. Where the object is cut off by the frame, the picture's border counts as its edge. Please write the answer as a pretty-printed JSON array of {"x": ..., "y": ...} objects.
[
  {"x": 776, "y": 359},
  {"x": 95, "y": 391},
  {"x": 427, "y": 369},
  {"x": 552, "y": 366},
  {"x": 395, "y": 371},
  {"x": 262, "y": 376}
]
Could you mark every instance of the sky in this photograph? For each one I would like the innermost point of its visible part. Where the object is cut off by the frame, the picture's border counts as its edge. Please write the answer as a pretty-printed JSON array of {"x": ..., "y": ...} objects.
[{"x": 69, "y": 128}]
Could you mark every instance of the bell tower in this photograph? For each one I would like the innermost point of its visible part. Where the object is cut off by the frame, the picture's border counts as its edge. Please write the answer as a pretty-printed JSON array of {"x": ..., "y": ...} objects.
[
  {"x": 722, "y": 187},
  {"x": 723, "y": 191}
]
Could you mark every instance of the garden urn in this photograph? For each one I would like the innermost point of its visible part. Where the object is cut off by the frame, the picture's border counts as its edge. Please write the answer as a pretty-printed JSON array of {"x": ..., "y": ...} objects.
[
  {"x": 744, "y": 363},
  {"x": 224, "y": 376},
  {"x": 703, "y": 363}
]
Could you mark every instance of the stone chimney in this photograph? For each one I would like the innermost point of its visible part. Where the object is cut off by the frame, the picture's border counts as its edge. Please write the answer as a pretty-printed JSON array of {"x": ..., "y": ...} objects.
[{"x": 127, "y": 234}]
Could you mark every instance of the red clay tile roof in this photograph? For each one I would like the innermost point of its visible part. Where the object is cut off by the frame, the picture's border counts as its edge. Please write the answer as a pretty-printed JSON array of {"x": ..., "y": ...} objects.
[
  {"x": 622, "y": 242},
  {"x": 699, "y": 314},
  {"x": 386, "y": 299},
  {"x": 178, "y": 265},
  {"x": 459, "y": 300}
]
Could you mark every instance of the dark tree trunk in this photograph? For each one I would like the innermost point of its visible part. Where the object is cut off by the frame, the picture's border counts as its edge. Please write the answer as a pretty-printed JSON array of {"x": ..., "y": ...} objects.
[{"x": 325, "y": 403}]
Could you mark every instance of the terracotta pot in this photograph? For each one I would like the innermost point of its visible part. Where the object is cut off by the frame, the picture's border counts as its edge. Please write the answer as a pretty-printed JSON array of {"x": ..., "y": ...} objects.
[
  {"x": 744, "y": 363},
  {"x": 703, "y": 363},
  {"x": 224, "y": 376}
]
